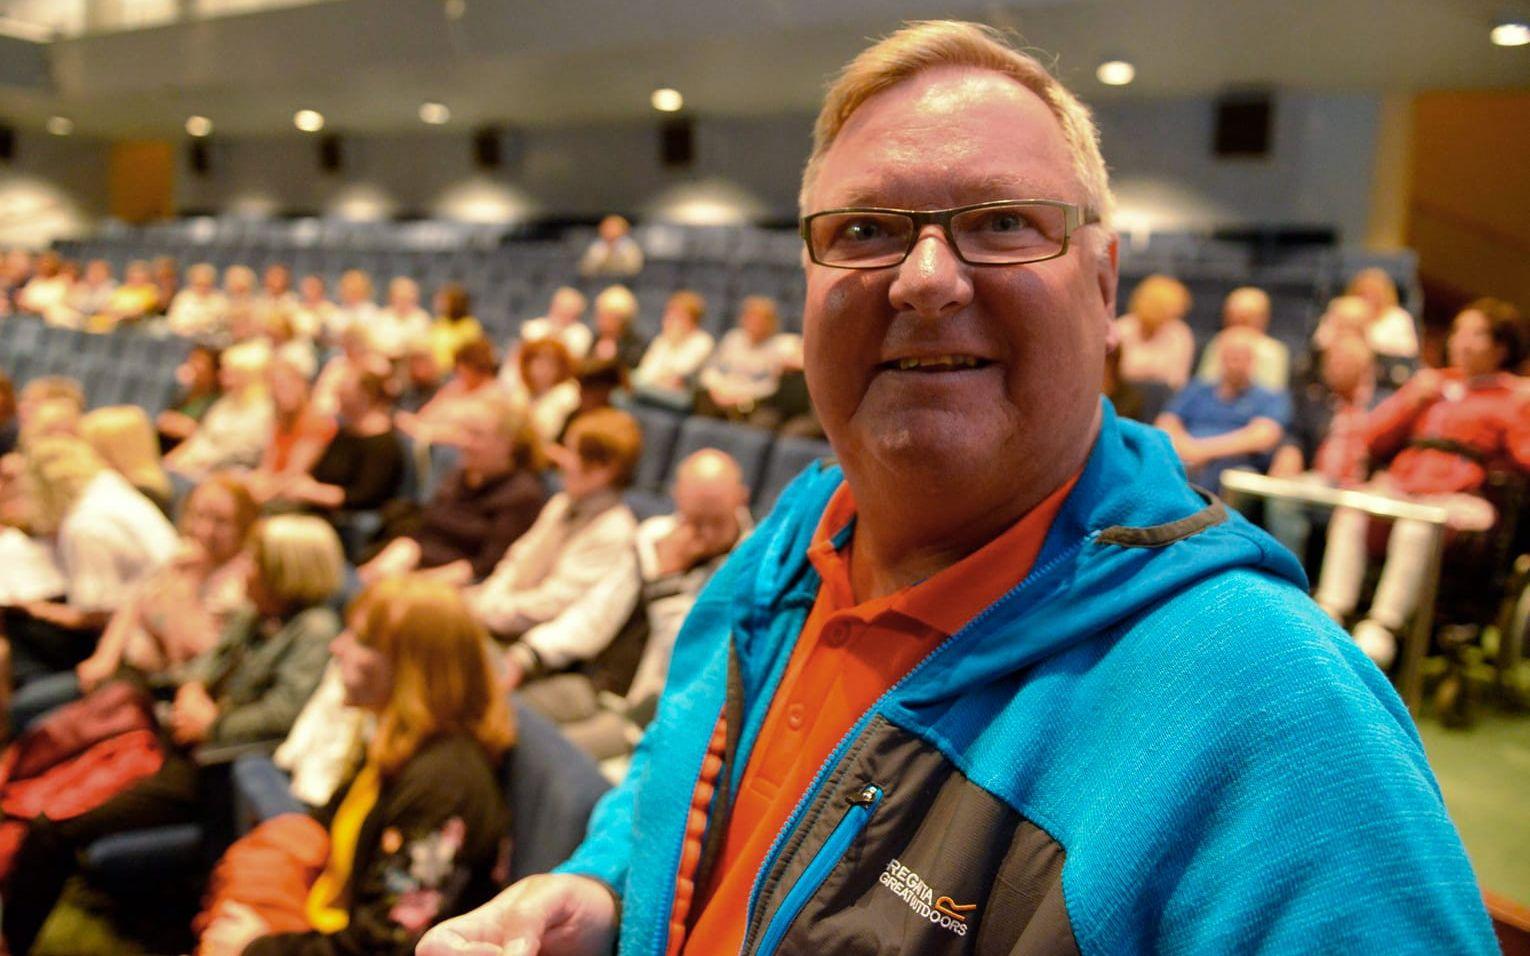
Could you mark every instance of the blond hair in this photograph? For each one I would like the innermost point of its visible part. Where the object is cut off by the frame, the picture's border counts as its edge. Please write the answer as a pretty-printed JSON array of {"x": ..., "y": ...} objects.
[
  {"x": 926, "y": 44},
  {"x": 123, "y": 436},
  {"x": 58, "y": 467},
  {"x": 299, "y": 559},
  {"x": 1159, "y": 298},
  {"x": 442, "y": 680},
  {"x": 618, "y": 299}
]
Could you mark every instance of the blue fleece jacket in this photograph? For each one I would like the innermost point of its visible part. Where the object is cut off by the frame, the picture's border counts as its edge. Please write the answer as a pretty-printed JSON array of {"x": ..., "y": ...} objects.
[{"x": 1222, "y": 768}]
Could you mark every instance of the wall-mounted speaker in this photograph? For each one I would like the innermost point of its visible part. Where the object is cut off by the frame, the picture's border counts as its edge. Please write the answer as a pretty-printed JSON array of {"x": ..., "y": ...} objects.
[
  {"x": 331, "y": 154},
  {"x": 1244, "y": 125},
  {"x": 199, "y": 156},
  {"x": 488, "y": 147},
  {"x": 7, "y": 143},
  {"x": 677, "y": 142}
]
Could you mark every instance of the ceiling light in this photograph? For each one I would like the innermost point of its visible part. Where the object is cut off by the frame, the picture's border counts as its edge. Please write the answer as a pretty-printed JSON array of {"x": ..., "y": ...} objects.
[
  {"x": 1511, "y": 33},
  {"x": 1116, "y": 73},
  {"x": 309, "y": 121},
  {"x": 455, "y": 9},
  {"x": 198, "y": 126},
  {"x": 666, "y": 100},
  {"x": 60, "y": 125},
  {"x": 434, "y": 113}
]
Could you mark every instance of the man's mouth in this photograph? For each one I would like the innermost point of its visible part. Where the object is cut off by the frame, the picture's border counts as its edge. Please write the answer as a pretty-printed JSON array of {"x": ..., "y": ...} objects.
[{"x": 935, "y": 363}]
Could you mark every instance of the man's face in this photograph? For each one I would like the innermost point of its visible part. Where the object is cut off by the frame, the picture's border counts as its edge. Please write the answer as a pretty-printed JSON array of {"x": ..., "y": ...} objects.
[
  {"x": 710, "y": 507},
  {"x": 485, "y": 449},
  {"x": 1237, "y": 362},
  {"x": 1471, "y": 347},
  {"x": 951, "y": 137}
]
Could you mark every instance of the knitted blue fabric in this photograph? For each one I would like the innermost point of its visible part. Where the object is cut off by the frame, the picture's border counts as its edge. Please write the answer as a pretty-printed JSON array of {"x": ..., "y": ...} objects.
[{"x": 1224, "y": 769}]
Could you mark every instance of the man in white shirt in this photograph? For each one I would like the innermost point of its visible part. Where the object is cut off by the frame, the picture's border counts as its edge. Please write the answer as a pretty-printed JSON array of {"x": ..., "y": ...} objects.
[
  {"x": 1249, "y": 308},
  {"x": 563, "y": 322},
  {"x": 583, "y": 534},
  {"x": 401, "y": 320},
  {"x": 198, "y": 310},
  {"x": 622, "y": 631},
  {"x": 614, "y": 253},
  {"x": 668, "y": 370}
]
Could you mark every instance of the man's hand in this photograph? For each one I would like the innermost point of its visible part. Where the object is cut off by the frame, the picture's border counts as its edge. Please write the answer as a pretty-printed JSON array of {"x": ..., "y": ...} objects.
[
  {"x": 93, "y": 671},
  {"x": 679, "y": 550},
  {"x": 193, "y": 715},
  {"x": 232, "y": 931},
  {"x": 552, "y": 915}
]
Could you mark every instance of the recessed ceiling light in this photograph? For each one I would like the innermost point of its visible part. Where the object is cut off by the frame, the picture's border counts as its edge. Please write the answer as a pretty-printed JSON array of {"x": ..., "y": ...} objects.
[
  {"x": 434, "y": 113},
  {"x": 198, "y": 126},
  {"x": 455, "y": 9},
  {"x": 309, "y": 121},
  {"x": 60, "y": 125},
  {"x": 1511, "y": 33},
  {"x": 1116, "y": 73},
  {"x": 666, "y": 100}
]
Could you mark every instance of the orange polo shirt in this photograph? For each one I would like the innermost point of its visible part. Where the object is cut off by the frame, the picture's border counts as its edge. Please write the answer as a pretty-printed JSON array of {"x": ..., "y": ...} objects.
[{"x": 849, "y": 654}]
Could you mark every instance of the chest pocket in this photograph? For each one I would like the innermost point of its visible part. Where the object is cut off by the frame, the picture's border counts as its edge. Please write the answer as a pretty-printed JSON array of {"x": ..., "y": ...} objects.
[{"x": 939, "y": 866}]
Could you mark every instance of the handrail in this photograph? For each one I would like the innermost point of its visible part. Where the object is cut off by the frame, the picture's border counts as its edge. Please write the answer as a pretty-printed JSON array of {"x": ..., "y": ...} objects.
[{"x": 1379, "y": 505}]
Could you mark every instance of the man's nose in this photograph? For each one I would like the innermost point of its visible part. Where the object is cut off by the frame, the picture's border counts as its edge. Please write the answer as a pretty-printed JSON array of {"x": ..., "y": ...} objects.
[{"x": 932, "y": 281}]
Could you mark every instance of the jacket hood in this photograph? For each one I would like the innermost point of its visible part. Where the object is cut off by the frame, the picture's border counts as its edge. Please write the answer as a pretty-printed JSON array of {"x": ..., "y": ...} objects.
[{"x": 1132, "y": 533}]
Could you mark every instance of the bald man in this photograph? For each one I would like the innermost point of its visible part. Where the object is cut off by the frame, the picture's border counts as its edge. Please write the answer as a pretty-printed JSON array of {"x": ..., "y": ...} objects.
[
  {"x": 623, "y": 630},
  {"x": 1233, "y": 423},
  {"x": 1249, "y": 308}
]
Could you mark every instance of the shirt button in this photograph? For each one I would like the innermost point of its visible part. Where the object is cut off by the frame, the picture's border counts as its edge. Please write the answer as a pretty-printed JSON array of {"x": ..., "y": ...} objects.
[
  {"x": 834, "y": 635},
  {"x": 795, "y": 715}
]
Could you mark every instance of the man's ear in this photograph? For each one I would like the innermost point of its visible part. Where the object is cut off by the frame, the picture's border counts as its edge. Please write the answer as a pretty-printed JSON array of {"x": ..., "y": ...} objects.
[{"x": 1108, "y": 273}]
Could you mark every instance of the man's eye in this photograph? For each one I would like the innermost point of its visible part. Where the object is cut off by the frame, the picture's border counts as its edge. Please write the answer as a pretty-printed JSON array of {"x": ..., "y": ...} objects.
[
  {"x": 862, "y": 230},
  {"x": 1005, "y": 222}
]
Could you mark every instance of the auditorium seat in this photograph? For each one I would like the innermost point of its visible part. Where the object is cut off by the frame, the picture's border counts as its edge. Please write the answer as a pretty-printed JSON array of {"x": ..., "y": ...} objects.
[
  {"x": 747, "y": 445},
  {"x": 788, "y": 457}
]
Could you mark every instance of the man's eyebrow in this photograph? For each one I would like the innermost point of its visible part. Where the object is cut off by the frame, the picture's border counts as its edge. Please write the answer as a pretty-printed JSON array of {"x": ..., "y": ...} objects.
[{"x": 981, "y": 189}]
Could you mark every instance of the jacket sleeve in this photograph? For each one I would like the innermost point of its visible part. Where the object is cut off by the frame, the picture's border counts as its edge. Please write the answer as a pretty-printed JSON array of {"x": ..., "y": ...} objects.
[
  {"x": 1388, "y": 424},
  {"x": 297, "y": 675},
  {"x": 592, "y": 622},
  {"x": 416, "y": 878},
  {"x": 585, "y": 560}
]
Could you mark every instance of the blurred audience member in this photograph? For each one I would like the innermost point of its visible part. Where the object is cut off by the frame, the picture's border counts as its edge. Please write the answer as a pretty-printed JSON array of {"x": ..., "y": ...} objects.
[
  {"x": 1125, "y": 396},
  {"x": 47, "y": 291},
  {"x": 1249, "y": 308},
  {"x": 196, "y": 379},
  {"x": 1391, "y": 331},
  {"x": 599, "y": 381},
  {"x": 356, "y": 355},
  {"x": 276, "y": 291},
  {"x": 362, "y": 467},
  {"x": 287, "y": 345},
  {"x": 746, "y": 368},
  {"x": 419, "y": 376},
  {"x": 248, "y": 688},
  {"x": 563, "y": 322},
  {"x": 88, "y": 297},
  {"x": 10, "y": 421},
  {"x": 234, "y": 431},
  {"x": 1233, "y": 423},
  {"x": 299, "y": 434},
  {"x": 615, "y": 339},
  {"x": 108, "y": 537},
  {"x": 1156, "y": 345},
  {"x": 582, "y": 535},
  {"x": 313, "y": 315},
  {"x": 1326, "y": 442},
  {"x": 454, "y": 325},
  {"x": 419, "y": 833},
  {"x": 167, "y": 278},
  {"x": 667, "y": 373},
  {"x": 472, "y": 376},
  {"x": 198, "y": 311},
  {"x": 15, "y": 273},
  {"x": 549, "y": 389},
  {"x": 356, "y": 309},
  {"x": 240, "y": 289},
  {"x": 618, "y": 636},
  {"x": 1447, "y": 428},
  {"x": 125, "y": 439},
  {"x": 480, "y": 508},
  {"x": 614, "y": 252},
  {"x": 401, "y": 320},
  {"x": 57, "y": 393},
  {"x": 135, "y": 298}
]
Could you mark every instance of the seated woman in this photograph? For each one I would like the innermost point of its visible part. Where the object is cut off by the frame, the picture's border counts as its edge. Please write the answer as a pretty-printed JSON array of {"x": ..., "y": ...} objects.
[
  {"x": 236, "y": 429},
  {"x": 173, "y": 615},
  {"x": 355, "y": 355},
  {"x": 746, "y": 368},
  {"x": 1156, "y": 345},
  {"x": 472, "y": 376},
  {"x": 419, "y": 832},
  {"x": 197, "y": 380},
  {"x": 299, "y": 437},
  {"x": 108, "y": 539},
  {"x": 363, "y": 465},
  {"x": 615, "y": 340},
  {"x": 481, "y": 507},
  {"x": 133, "y": 299},
  {"x": 248, "y": 688},
  {"x": 667, "y": 373},
  {"x": 1448, "y": 428},
  {"x": 124, "y": 438},
  {"x": 547, "y": 386},
  {"x": 454, "y": 325}
]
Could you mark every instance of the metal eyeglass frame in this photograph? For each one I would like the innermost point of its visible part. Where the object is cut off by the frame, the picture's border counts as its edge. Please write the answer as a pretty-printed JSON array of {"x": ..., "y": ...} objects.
[{"x": 1074, "y": 217}]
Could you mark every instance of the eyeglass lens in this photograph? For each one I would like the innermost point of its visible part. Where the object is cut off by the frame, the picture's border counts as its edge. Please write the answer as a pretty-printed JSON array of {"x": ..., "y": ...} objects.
[{"x": 994, "y": 235}]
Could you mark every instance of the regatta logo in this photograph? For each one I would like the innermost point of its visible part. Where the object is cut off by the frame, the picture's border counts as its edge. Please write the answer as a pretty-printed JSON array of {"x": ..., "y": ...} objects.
[{"x": 943, "y": 911}]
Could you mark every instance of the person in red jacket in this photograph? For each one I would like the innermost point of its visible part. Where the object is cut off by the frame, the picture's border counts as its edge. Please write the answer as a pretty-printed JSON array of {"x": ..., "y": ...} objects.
[{"x": 1447, "y": 428}]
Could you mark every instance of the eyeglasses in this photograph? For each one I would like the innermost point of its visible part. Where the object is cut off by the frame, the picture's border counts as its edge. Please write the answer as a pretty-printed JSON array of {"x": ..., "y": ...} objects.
[{"x": 1006, "y": 232}]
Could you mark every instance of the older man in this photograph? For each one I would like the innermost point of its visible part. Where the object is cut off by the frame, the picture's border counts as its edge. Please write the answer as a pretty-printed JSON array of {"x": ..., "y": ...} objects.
[
  {"x": 1248, "y": 307},
  {"x": 1001, "y": 681}
]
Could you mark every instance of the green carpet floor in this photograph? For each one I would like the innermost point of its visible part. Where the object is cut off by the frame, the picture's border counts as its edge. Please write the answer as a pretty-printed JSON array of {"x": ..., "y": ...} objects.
[{"x": 1484, "y": 773}]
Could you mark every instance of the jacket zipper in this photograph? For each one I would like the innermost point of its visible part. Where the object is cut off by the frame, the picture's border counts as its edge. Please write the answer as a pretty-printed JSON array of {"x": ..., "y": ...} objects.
[
  {"x": 776, "y": 846},
  {"x": 863, "y": 803}
]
